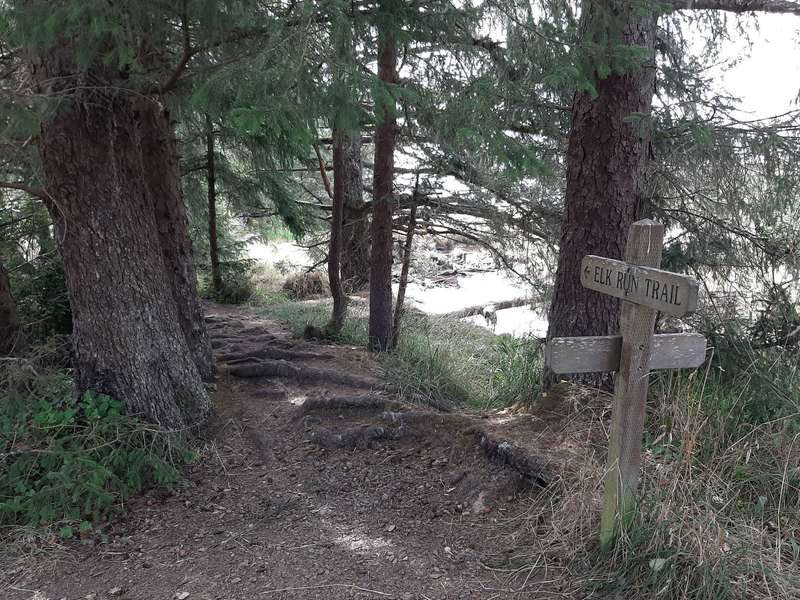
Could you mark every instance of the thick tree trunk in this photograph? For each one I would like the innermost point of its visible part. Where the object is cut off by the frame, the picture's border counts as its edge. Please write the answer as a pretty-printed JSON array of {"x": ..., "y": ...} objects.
[
  {"x": 162, "y": 179},
  {"x": 340, "y": 146},
  {"x": 9, "y": 325},
  {"x": 211, "y": 178},
  {"x": 380, "y": 281},
  {"x": 355, "y": 230},
  {"x": 606, "y": 157},
  {"x": 127, "y": 311}
]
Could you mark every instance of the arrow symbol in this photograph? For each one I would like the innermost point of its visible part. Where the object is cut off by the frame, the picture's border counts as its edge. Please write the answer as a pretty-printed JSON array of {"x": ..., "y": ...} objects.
[{"x": 586, "y": 271}]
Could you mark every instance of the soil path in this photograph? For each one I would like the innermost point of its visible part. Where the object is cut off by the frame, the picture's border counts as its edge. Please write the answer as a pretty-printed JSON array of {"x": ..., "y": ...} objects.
[{"x": 310, "y": 488}]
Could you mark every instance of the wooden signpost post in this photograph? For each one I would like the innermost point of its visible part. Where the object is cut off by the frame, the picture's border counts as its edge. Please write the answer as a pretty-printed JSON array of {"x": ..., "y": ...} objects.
[{"x": 645, "y": 290}]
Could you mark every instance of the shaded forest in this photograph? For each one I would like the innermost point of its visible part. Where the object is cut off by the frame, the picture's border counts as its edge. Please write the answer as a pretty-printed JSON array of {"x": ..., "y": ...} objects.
[{"x": 189, "y": 410}]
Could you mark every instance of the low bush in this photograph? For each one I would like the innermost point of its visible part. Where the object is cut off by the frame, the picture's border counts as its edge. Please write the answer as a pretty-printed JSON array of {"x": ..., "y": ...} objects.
[
  {"x": 72, "y": 461},
  {"x": 302, "y": 286},
  {"x": 237, "y": 283}
]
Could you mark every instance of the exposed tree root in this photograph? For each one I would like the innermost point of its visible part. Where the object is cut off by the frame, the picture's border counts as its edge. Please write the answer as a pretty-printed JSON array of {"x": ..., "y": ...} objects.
[
  {"x": 417, "y": 417},
  {"x": 339, "y": 403},
  {"x": 304, "y": 374},
  {"x": 282, "y": 368},
  {"x": 265, "y": 339},
  {"x": 274, "y": 353},
  {"x": 356, "y": 438},
  {"x": 507, "y": 453}
]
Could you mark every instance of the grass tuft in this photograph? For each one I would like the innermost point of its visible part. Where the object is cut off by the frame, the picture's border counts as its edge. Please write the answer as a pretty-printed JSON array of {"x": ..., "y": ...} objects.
[
  {"x": 438, "y": 358},
  {"x": 719, "y": 512}
]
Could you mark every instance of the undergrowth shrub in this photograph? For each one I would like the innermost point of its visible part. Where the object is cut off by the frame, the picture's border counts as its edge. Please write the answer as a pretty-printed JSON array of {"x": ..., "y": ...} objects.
[
  {"x": 42, "y": 302},
  {"x": 433, "y": 359},
  {"x": 237, "y": 283},
  {"x": 301, "y": 286},
  {"x": 720, "y": 501},
  {"x": 71, "y": 461}
]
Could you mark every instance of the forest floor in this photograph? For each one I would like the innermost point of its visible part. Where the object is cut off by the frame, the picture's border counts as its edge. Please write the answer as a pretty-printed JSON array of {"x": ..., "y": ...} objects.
[{"x": 313, "y": 486}]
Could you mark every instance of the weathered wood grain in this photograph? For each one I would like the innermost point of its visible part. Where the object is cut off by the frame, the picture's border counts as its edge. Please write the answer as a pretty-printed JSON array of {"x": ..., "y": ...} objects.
[
  {"x": 671, "y": 293},
  {"x": 630, "y": 389},
  {"x": 599, "y": 354}
]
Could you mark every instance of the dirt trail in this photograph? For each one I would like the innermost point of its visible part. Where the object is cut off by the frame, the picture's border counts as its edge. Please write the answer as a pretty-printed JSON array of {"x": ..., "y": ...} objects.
[{"x": 317, "y": 489}]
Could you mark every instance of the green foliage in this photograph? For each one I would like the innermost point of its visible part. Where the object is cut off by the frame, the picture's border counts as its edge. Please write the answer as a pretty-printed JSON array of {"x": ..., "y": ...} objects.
[
  {"x": 72, "y": 460},
  {"x": 36, "y": 273},
  {"x": 42, "y": 300},
  {"x": 438, "y": 358},
  {"x": 237, "y": 285},
  {"x": 519, "y": 364}
]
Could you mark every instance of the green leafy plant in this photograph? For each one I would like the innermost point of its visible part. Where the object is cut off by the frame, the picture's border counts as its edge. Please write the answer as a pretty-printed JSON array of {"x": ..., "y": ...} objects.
[{"x": 72, "y": 460}]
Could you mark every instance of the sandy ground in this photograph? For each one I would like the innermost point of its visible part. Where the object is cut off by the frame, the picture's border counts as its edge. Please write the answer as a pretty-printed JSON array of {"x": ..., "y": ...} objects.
[{"x": 469, "y": 289}]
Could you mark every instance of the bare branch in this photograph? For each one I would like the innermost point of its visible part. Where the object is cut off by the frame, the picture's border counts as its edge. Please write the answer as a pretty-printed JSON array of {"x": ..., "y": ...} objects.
[{"x": 323, "y": 172}]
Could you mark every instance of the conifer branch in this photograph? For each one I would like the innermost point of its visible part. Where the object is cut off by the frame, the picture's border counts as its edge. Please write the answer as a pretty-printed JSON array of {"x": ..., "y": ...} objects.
[
  {"x": 38, "y": 192},
  {"x": 739, "y": 6}
]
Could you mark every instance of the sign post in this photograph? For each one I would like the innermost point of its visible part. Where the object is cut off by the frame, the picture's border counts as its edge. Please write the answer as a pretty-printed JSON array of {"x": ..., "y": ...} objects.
[{"x": 645, "y": 290}]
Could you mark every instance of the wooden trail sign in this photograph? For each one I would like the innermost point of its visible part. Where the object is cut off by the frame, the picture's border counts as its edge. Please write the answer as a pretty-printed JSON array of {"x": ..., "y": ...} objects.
[
  {"x": 600, "y": 354},
  {"x": 668, "y": 292},
  {"x": 645, "y": 290}
]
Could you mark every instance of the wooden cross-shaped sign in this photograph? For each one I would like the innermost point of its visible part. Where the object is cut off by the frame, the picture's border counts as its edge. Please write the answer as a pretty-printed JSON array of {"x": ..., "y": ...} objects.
[{"x": 632, "y": 354}]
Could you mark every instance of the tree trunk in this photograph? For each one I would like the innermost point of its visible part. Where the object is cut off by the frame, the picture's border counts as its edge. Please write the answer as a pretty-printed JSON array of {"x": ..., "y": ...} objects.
[
  {"x": 606, "y": 157},
  {"x": 211, "y": 178},
  {"x": 127, "y": 288},
  {"x": 380, "y": 281},
  {"x": 162, "y": 179},
  {"x": 401, "y": 288},
  {"x": 9, "y": 325},
  {"x": 341, "y": 144},
  {"x": 355, "y": 230}
]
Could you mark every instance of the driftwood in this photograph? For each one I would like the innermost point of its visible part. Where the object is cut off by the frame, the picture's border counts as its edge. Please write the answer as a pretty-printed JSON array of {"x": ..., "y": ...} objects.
[
  {"x": 477, "y": 310},
  {"x": 507, "y": 453}
]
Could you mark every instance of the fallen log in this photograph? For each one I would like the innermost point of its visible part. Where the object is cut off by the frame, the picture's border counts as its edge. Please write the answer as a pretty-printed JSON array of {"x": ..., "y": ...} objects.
[{"x": 478, "y": 309}]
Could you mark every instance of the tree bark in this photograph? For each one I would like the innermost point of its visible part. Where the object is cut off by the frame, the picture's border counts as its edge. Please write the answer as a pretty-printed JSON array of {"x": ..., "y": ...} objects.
[
  {"x": 9, "y": 325},
  {"x": 128, "y": 290},
  {"x": 163, "y": 183},
  {"x": 401, "y": 288},
  {"x": 211, "y": 178},
  {"x": 606, "y": 156},
  {"x": 341, "y": 142},
  {"x": 355, "y": 229},
  {"x": 380, "y": 281}
]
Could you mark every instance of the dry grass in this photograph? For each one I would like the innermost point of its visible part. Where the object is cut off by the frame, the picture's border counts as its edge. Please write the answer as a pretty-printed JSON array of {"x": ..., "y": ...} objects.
[
  {"x": 719, "y": 514},
  {"x": 301, "y": 286}
]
